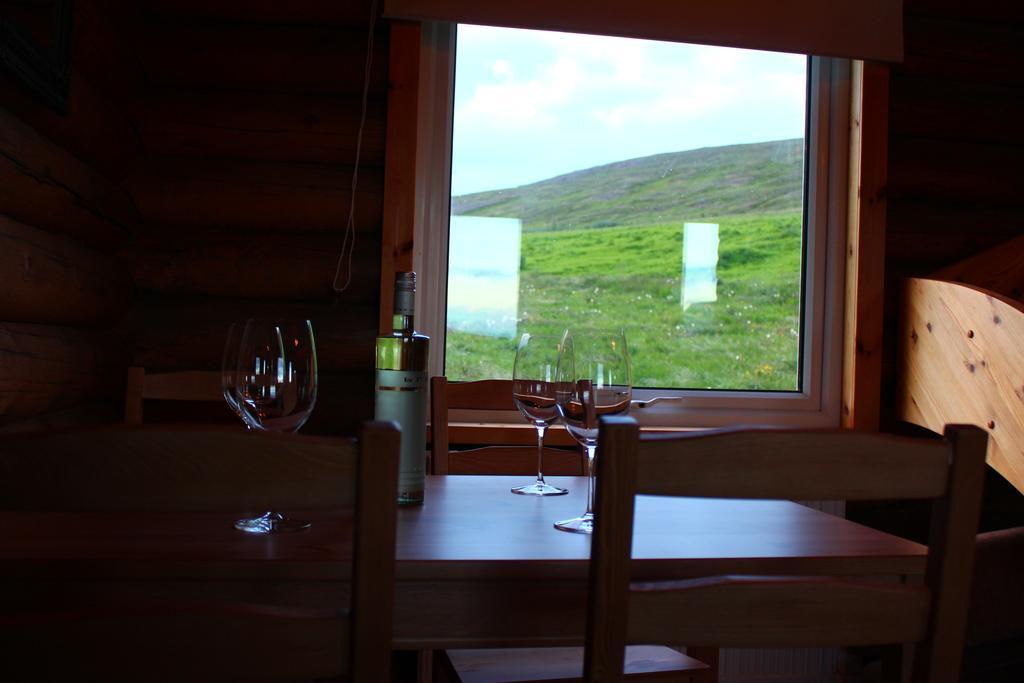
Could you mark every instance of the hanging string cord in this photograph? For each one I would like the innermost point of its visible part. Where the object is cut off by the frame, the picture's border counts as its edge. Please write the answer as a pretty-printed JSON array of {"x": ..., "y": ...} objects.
[{"x": 349, "y": 242}]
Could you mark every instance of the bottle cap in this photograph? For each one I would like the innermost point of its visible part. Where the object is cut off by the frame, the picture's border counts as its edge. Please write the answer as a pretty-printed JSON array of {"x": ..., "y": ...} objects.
[{"x": 405, "y": 281}]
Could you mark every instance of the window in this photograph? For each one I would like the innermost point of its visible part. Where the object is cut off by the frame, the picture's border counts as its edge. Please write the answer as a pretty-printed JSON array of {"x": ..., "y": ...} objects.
[{"x": 712, "y": 231}]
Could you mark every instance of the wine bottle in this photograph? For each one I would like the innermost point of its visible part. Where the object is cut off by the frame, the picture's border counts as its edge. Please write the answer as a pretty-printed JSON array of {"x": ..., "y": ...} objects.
[{"x": 401, "y": 388}]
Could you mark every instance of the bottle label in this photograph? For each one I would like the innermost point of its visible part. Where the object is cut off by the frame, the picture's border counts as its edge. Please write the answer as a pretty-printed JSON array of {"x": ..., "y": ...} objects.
[{"x": 401, "y": 395}]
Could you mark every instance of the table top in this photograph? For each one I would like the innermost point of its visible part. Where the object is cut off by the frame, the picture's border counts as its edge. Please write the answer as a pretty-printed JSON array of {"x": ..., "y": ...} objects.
[{"x": 469, "y": 527}]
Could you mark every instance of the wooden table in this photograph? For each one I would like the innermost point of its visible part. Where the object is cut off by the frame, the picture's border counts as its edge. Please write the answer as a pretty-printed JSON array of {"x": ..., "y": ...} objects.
[{"x": 476, "y": 564}]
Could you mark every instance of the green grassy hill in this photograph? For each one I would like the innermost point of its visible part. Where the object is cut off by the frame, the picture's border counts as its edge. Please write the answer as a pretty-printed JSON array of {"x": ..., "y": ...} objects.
[
  {"x": 630, "y": 273},
  {"x": 715, "y": 181}
]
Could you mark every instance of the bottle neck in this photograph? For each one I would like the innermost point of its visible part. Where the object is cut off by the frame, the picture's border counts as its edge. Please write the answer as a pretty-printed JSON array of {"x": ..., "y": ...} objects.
[{"x": 402, "y": 323}]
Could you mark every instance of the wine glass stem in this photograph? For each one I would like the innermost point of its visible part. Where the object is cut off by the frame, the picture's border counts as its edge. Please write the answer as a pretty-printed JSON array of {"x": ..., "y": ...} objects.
[
  {"x": 591, "y": 450},
  {"x": 541, "y": 428}
]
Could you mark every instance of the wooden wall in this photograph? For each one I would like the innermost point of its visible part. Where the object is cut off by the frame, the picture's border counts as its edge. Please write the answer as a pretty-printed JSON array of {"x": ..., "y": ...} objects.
[
  {"x": 956, "y": 144},
  {"x": 202, "y": 177},
  {"x": 248, "y": 119},
  {"x": 64, "y": 217}
]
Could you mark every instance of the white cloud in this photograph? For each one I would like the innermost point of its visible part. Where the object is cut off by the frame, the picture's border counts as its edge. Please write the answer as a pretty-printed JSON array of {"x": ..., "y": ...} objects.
[
  {"x": 522, "y": 104},
  {"x": 501, "y": 68},
  {"x": 532, "y": 104},
  {"x": 674, "y": 109}
]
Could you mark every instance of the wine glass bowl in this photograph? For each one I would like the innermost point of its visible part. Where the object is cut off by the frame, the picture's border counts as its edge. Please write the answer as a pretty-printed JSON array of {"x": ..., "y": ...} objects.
[
  {"x": 533, "y": 391},
  {"x": 594, "y": 379},
  {"x": 276, "y": 379},
  {"x": 275, "y": 389},
  {"x": 535, "y": 400},
  {"x": 229, "y": 370}
]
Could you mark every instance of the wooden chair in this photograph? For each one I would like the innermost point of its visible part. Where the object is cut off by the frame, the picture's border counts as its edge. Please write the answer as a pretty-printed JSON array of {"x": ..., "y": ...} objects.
[
  {"x": 748, "y": 611},
  {"x": 531, "y": 664},
  {"x": 217, "y": 632},
  {"x": 192, "y": 385},
  {"x": 491, "y": 394}
]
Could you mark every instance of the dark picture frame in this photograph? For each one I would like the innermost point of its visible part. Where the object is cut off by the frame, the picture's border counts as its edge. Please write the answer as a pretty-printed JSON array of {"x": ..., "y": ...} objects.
[{"x": 45, "y": 70}]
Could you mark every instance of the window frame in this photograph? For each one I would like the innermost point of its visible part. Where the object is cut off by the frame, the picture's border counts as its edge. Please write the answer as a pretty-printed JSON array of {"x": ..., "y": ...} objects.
[{"x": 817, "y": 404}]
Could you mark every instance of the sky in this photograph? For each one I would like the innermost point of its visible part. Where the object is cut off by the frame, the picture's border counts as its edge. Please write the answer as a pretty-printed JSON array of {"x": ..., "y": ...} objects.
[{"x": 531, "y": 105}]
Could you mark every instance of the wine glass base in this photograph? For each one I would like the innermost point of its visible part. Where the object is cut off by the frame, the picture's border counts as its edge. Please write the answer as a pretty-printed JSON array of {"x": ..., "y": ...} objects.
[
  {"x": 577, "y": 525},
  {"x": 540, "y": 488},
  {"x": 271, "y": 523}
]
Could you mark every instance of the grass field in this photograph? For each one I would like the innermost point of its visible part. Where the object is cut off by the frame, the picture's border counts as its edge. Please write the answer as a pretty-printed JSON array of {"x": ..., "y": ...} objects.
[{"x": 630, "y": 276}]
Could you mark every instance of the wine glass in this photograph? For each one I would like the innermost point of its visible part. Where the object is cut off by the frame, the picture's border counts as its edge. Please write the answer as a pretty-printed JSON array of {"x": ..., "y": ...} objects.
[
  {"x": 229, "y": 371},
  {"x": 593, "y": 379},
  {"x": 533, "y": 390},
  {"x": 275, "y": 388}
]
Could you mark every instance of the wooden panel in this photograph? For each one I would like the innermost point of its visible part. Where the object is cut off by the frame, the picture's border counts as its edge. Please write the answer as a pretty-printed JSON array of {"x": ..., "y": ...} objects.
[
  {"x": 344, "y": 400},
  {"x": 275, "y": 266},
  {"x": 799, "y": 465},
  {"x": 983, "y": 174},
  {"x": 509, "y": 434},
  {"x": 400, "y": 162},
  {"x": 318, "y": 12},
  {"x": 738, "y": 611},
  {"x": 44, "y": 368},
  {"x": 520, "y": 460},
  {"x": 865, "y": 246},
  {"x": 947, "y": 219},
  {"x": 157, "y": 468},
  {"x": 48, "y": 279},
  {"x": 188, "y": 333},
  {"x": 923, "y": 252},
  {"x": 95, "y": 130},
  {"x": 103, "y": 46},
  {"x": 997, "y": 10},
  {"x": 999, "y": 269},
  {"x": 963, "y": 51},
  {"x": 265, "y": 58},
  {"x": 46, "y": 187},
  {"x": 960, "y": 361},
  {"x": 253, "y": 195},
  {"x": 487, "y": 394},
  {"x": 191, "y": 385},
  {"x": 265, "y": 126},
  {"x": 984, "y": 112}
]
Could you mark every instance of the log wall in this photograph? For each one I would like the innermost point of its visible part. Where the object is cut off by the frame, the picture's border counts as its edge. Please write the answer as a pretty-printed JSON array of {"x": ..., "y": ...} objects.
[
  {"x": 247, "y": 116},
  {"x": 64, "y": 217},
  {"x": 956, "y": 166},
  {"x": 204, "y": 175}
]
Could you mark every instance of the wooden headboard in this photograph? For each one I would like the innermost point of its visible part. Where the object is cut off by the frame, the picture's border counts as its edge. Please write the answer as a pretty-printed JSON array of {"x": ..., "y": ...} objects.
[{"x": 962, "y": 353}]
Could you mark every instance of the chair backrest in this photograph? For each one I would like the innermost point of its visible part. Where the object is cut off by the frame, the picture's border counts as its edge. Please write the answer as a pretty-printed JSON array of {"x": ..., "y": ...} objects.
[
  {"x": 191, "y": 385},
  {"x": 163, "y": 467},
  {"x": 490, "y": 394},
  {"x": 785, "y": 611},
  {"x": 153, "y": 635}
]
